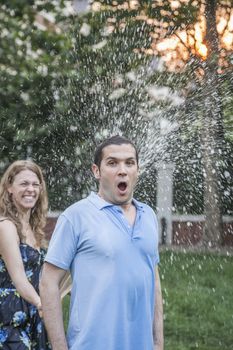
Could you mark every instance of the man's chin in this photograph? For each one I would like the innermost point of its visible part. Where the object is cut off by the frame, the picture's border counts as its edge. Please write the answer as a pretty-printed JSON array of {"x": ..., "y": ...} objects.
[{"x": 123, "y": 200}]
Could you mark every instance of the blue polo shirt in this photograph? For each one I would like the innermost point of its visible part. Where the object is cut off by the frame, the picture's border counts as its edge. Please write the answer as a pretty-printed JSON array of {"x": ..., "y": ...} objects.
[{"x": 112, "y": 266}]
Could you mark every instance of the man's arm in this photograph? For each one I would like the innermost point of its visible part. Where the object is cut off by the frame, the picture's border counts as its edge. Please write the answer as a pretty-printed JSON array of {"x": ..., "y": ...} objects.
[
  {"x": 158, "y": 314},
  {"x": 52, "y": 306}
]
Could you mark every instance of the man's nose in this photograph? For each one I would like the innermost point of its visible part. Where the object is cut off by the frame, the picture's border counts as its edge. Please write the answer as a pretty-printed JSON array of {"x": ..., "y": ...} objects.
[{"x": 122, "y": 169}]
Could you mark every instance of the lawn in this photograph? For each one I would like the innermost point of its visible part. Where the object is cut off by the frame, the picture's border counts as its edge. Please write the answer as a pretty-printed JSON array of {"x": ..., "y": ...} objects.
[{"x": 198, "y": 301}]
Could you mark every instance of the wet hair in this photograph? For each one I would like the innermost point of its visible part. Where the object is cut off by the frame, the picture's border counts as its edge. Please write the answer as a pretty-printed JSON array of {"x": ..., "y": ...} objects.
[
  {"x": 114, "y": 140},
  {"x": 7, "y": 207}
]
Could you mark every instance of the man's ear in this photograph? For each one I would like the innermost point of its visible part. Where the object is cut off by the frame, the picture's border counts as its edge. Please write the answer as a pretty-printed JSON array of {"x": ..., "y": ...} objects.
[{"x": 96, "y": 171}]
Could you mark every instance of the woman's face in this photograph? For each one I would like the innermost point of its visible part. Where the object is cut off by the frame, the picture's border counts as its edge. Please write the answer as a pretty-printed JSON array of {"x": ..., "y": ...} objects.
[{"x": 25, "y": 190}]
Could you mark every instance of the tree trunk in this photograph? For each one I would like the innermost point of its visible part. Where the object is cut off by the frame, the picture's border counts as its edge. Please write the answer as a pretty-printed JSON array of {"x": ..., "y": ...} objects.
[{"x": 212, "y": 134}]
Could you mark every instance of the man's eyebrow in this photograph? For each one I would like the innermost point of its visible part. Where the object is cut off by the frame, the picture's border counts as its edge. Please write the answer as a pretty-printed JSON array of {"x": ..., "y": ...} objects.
[
  {"x": 116, "y": 158},
  {"x": 108, "y": 158}
]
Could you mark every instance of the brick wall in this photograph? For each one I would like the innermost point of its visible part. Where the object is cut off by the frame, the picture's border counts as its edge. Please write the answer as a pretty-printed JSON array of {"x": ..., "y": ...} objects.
[{"x": 190, "y": 233}]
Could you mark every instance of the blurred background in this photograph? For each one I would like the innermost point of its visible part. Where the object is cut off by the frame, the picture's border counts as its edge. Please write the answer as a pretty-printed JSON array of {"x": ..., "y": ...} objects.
[{"x": 158, "y": 72}]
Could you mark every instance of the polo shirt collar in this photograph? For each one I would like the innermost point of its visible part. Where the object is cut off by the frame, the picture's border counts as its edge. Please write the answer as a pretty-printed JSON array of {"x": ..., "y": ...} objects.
[{"x": 100, "y": 203}]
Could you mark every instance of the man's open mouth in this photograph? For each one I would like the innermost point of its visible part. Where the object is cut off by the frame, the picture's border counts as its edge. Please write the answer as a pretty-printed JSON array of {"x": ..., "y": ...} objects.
[{"x": 122, "y": 186}]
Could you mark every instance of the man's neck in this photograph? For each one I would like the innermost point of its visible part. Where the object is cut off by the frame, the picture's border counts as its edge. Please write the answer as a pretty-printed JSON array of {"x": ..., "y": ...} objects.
[{"x": 129, "y": 212}]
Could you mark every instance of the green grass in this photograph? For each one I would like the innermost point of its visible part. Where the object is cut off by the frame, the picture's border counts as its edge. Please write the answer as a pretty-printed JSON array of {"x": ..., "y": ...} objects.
[
  {"x": 65, "y": 307},
  {"x": 198, "y": 301}
]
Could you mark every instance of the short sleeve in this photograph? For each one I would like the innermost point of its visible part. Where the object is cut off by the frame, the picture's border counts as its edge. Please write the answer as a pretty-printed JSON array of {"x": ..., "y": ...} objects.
[{"x": 63, "y": 244}]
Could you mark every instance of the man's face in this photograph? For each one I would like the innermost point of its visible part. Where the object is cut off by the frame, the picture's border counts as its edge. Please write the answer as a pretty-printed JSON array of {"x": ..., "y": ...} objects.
[{"x": 117, "y": 174}]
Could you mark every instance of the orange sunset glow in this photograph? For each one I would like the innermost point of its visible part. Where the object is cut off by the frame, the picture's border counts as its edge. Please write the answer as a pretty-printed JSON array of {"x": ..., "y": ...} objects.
[
  {"x": 185, "y": 42},
  {"x": 177, "y": 47},
  {"x": 195, "y": 42}
]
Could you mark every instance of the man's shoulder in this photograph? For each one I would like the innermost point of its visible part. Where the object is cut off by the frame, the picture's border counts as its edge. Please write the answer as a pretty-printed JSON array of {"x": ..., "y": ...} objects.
[{"x": 77, "y": 206}]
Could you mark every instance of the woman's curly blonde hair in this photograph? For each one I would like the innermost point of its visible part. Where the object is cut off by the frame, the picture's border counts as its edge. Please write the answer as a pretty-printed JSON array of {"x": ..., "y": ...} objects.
[{"x": 8, "y": 209}]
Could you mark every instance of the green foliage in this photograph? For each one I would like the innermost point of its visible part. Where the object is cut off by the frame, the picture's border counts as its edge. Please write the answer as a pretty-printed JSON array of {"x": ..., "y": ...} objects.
[{"x": 29, "y": 74}]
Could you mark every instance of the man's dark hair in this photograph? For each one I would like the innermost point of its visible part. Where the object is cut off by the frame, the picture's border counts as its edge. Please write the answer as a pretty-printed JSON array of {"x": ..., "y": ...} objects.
[{"x": 114, "y": 140}]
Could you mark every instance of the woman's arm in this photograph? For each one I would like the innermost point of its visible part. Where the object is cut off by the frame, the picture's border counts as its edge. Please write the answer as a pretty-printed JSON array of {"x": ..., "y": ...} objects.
[{"x": 10, "y": 253}]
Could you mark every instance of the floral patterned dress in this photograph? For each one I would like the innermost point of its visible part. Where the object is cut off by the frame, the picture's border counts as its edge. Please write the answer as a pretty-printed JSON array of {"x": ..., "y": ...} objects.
[{"x": 21, "y": 327}]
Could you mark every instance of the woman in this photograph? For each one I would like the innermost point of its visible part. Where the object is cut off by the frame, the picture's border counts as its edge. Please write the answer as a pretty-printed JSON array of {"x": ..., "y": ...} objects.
[{"x": 23, "y": 208}]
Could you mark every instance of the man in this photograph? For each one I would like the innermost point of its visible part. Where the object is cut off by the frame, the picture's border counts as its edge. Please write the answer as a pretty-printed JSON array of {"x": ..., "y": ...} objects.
[{"x": 109, "y": 242}]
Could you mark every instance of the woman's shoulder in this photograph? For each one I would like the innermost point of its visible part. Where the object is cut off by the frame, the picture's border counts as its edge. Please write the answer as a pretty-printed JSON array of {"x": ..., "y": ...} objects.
[
  {"x": 7, "y": 224},
  {"x": 8, "y": 235}
]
